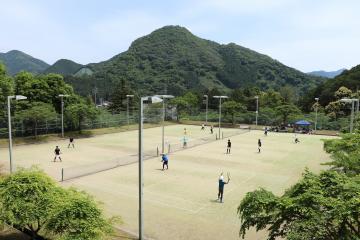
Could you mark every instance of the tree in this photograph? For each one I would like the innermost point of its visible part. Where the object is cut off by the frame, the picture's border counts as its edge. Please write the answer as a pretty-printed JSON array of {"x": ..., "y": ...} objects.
[
  {"x": 232, "y": 108},
  {"x": 33, "y": 203},
  {"x": 191, "y": 99},
  {"x": 320, "y": 207},
  {"x": 78, "y": 217},
  {"x": 27, "y": 200},
  {"x": 76, "y": 114},
  {"x": 288, "y": 94},
  {"x": 6, "y": 89},
  {"x": 270, "y": 99},
  {"x": 181, "y": 105},
  {"x": 118, "y": 97},
  {"x": 285, "y": 111},
  {"x": 37, "y": 113},
  {"x": 344, "y": 153},
  {"x": 43, "y": 88},
  {"x": 343, "y": 92}
]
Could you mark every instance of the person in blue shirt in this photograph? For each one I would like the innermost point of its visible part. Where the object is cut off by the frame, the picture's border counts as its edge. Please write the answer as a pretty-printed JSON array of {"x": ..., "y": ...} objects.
[
  {"x": 221, "y": 186},
  {"x": 165, "y": 161}
]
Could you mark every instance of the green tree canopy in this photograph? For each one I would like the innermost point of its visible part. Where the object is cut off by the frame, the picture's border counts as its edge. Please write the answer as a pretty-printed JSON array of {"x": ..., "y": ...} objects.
[
  {"x": 345, "y": 153},
  {"x": 118, "y": 97},
  {"x": 76, "y": 114},
  {"x": 34, "y": 204},
  {"x": 43, "y": 88},
  {"x": 320, "y": 207},
  {"x": 271, "y": 99},
  {"x": 232, "y": 108},
  {"x": 37, "y": 113},
  {"x": 285, "y": 111},
  {"x": 6, "y": 89}
]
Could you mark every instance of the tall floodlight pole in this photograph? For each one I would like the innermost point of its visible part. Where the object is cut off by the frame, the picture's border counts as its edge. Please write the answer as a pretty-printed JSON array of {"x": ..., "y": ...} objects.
[
  {"x": 127, "y": 109},
  {"x": 17, "y": 97},
  {"x": 352, "y": 101},
  {"x": 95, "y": 90},
  {"x": 61, "y": 96},
  {"x": 220, "y": 97},
  {"x": 153, "y": 99},
  {"x": 316, "y": 112},
  {"x": 257, "y": 110},
  {"x": 163, "y": 97},
  {"x": 206, "y": 111}
]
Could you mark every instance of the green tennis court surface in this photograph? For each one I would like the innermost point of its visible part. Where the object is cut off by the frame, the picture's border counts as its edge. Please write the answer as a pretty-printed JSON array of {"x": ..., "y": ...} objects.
[{"x": 180, "y": 203}]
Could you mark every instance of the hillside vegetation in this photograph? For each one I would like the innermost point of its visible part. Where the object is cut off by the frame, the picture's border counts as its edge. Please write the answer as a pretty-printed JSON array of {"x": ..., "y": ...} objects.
[
  {"x": 16, "y": 61},
  {"x": 172, "y": 59},
  {"x": 64, "y": 67}
]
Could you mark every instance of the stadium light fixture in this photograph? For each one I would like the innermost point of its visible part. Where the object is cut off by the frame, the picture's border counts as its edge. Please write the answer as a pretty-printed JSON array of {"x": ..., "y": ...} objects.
[
  {"x": 127, "y": 109},
  {"x": 352, "y": 101},
  {"x": 61, "y": 96},
  {"x": 16, "y": 97},
  {"x": 220, "y": 97},
  {"x": 148, "y": 100},
  {"x": 163, "y": 97}
]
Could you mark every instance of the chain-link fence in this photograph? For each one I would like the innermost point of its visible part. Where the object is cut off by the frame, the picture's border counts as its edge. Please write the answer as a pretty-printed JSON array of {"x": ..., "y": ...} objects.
[{"x": 105, "y": 119}]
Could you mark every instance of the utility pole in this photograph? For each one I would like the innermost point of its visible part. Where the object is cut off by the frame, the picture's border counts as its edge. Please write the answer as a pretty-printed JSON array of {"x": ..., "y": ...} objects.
[
  {"x": 127, "y": 109},
  {"x": 17, "y": 97},
  {"x": 207, "y": 105},
  {"x": 95, "y": 93},
  {"x": 62, "y": 112},
  {"x": 153, "y": 99},
  {"x": 316, "y": 112},
  {"x": 163, "y": 97},
  {"x": 220, "y": 97},
  {"x": 257, "y": 110}
]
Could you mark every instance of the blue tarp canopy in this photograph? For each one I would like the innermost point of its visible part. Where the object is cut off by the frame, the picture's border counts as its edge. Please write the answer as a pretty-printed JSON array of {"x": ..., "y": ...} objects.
[{"x": 302, "y": 123}]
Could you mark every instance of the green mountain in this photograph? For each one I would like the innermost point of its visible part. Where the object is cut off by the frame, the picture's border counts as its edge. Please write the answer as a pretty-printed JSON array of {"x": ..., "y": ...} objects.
[
  {"x": 325, "y": 91},
  {"x": 172, "y": 58},
  {"x": 326, "y": 74},
  {"x": 16, "y": 61},
  {"x": 64, "y": 67}
]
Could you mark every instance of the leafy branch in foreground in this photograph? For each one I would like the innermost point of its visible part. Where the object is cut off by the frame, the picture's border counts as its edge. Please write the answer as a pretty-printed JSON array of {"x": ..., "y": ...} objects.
[
  {"x": 33, "y": 203},
  {"x": 321, "y": 207}
]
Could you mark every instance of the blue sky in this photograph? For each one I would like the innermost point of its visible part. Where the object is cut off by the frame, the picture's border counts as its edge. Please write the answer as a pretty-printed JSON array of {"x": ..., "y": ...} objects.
[{"x": 305, "y": 34}]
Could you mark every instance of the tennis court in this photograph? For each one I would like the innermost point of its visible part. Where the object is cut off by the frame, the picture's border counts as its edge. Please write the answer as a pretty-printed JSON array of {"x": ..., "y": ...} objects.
[{"x": 181, "y": 203}]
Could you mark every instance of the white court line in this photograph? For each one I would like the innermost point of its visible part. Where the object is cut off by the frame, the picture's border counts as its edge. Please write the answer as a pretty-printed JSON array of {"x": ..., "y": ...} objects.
[{"x": 161, "y": 202}]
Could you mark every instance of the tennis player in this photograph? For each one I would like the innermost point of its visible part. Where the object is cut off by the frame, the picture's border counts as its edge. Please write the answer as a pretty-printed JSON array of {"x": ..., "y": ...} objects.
[
  {"x": 221, "y": 186},
  {"x": 71, "y": 142},
  {"x": 259, "y": 146},
  {"x": 228, "y": 149},
  {"x": 57, "y": 154},
  {"x": 165, "y": 161}
]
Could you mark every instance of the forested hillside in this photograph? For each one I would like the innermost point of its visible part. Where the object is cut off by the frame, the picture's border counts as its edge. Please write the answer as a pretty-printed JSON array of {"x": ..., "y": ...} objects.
[
  {"x": 64, "y": 67},
  {"x": 16, "y": 61},
  {"x": 172, "y": 59}
]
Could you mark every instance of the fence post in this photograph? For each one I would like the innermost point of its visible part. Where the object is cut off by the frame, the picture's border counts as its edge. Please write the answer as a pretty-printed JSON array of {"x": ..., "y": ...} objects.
[
  {"x": 216, "y": 137},
  {"x": 157, "y": 151},
  {"x": 222, "y": 135},
  {"x": 62, "y": 174}
]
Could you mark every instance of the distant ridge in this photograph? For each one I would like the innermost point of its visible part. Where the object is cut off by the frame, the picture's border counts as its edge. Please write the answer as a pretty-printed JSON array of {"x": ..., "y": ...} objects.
[
  {"x": 64, "y": 67},
  {"x": 16, "y": 61},
  {"x": 326, "y": 74}
]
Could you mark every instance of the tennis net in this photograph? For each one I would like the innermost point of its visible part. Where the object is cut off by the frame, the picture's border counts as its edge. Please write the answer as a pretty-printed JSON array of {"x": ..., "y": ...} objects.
[{"x": 89, "y": 169}]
